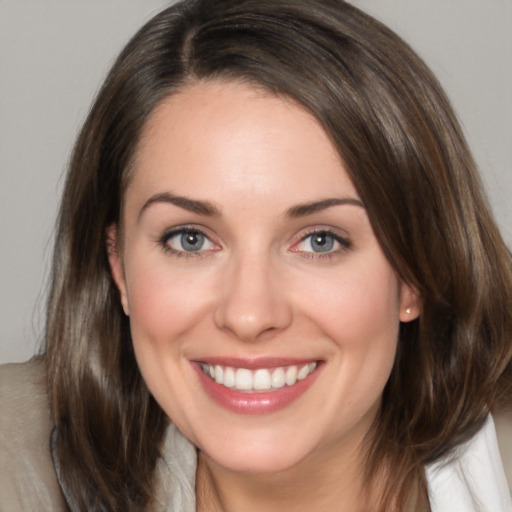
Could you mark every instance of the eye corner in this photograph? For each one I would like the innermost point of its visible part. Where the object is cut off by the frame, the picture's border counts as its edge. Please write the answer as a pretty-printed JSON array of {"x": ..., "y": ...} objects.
[
  {"x": 328, "y": 243},
  {"x": 187, "y": 241}
]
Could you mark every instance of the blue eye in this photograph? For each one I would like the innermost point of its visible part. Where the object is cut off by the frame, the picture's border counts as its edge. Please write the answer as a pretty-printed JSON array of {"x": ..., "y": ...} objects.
[
  {"x": 322, "y": 242},
  {"x": 187, "y": 241},
  {"x": 192, "y": 240}
]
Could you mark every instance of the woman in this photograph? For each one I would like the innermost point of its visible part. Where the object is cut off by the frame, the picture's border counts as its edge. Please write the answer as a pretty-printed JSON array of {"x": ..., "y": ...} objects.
[{"x": 276, "y": 282}]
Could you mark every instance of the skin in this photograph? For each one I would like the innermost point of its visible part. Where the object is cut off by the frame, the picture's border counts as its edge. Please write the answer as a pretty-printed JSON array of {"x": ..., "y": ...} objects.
[{"x": 258, "y": 289}]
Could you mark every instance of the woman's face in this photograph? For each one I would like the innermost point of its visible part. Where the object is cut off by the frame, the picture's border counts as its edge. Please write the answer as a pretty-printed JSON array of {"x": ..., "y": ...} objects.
[{"x": 248, "y": 256}]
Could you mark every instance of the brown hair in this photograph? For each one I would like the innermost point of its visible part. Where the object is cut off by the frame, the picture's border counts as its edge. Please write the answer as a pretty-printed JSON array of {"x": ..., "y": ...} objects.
[{"x": 407, "y": 157}]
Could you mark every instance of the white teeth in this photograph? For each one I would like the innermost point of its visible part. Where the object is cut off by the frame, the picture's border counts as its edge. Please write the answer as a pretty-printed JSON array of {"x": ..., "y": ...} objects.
[
  {"x": 243, "y": 379},
  {"x": 229, "y": 378},
  {"x": 278, "y": 378},
  {"x": 219, "y": 374},
  {"x": 262, "y": 379},
  {"x": 291, "y": 375},
  {"x": 303, "y": 372}
]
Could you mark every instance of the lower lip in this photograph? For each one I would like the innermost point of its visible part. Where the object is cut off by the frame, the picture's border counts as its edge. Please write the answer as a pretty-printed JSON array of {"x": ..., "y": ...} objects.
[{"x": 254, "y": 403}]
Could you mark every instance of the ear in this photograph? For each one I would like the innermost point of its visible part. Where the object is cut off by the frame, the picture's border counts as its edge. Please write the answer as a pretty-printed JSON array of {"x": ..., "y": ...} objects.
[
  {"x": 116, "y": 265},
  {"x": 410, "y": 303}
]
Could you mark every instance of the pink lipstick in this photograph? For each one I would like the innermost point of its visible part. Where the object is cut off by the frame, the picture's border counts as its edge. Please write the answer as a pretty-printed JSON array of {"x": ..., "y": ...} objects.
[{"x": 259, "y": 386}]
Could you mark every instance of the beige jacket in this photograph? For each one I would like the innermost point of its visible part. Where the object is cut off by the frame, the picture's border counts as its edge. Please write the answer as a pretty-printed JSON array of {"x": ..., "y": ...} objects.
[
  {"x": 28, "y": 480},
  {"x": 29, "y": 483}
]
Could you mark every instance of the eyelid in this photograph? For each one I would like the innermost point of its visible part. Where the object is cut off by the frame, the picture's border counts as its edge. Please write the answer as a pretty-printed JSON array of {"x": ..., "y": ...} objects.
[
  {"x": 169, "y": 233},
  {"x": 343, "y": 240}
]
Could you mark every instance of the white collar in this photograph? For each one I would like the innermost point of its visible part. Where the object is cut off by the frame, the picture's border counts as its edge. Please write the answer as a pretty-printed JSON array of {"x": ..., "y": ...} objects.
[{"x": 471, "y": 480}]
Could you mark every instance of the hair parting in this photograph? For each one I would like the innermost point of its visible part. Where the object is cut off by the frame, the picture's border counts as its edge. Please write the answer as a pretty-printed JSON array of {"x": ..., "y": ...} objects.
[{"x": 406, "y": 155}]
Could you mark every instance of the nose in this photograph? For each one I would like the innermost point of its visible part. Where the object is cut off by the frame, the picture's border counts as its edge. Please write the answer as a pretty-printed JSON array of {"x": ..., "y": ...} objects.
[{"x": 253, "y": 302}]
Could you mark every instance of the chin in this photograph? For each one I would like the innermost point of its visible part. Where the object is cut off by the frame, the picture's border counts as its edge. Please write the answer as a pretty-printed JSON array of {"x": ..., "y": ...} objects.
[
  {"x": 258, "y": 454},
  {"x": 255, "y": 462}
]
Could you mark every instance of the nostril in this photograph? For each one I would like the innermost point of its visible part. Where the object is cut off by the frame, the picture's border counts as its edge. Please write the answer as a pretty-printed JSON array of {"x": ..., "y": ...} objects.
[{"x": 251, "y": 304}]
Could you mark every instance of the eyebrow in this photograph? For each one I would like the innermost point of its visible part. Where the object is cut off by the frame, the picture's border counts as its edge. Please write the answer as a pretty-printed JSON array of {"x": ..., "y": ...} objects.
[
  {"x": 210, "y": 210},
  {"x": 302, "y": 210},
  {"x": 192, "y": 205}
]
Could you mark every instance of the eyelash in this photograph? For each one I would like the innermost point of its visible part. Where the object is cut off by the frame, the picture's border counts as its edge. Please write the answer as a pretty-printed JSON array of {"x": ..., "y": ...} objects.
[
  {"x": 344, "y": 243},
  {"x": 168, "y": 235}
]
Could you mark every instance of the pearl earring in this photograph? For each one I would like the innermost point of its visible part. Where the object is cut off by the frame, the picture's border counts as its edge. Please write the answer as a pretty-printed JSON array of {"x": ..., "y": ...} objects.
[{"x": 408, "y": 311}]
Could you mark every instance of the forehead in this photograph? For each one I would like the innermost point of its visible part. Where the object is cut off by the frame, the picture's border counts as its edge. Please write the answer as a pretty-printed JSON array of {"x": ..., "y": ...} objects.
[{"x": 227, "y": 134}]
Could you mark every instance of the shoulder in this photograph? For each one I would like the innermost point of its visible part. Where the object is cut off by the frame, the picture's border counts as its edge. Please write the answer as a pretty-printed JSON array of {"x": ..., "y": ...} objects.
[
  {"x": 503, "y": 424},
  {"x": 24, "y": 402},
  {"x": 471, "y": 477},
  {"x": 27, "y": 474}
]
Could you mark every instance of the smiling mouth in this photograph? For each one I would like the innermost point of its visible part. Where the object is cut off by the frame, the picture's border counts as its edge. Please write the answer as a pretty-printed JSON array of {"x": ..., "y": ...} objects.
[{"x": 262, "y": 379}]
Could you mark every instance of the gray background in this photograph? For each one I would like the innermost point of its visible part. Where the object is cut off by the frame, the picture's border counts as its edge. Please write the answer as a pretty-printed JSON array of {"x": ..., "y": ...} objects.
[{"x": 54, "y": 54}]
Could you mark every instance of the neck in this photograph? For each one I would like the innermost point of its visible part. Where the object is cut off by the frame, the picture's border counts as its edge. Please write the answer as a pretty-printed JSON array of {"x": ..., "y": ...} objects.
[{"x": 326, "y": 483}]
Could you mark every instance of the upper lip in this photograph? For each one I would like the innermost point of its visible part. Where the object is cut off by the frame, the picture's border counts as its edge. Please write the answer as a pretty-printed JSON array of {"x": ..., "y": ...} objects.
[{"x": 254, "y": 363}]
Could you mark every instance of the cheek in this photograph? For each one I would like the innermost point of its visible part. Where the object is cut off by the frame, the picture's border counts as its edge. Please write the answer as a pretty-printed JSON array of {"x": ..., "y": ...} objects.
[
  {"x": 165, "y": 305},
  {"x": 359, "y": 306},
  {"x": 164, "y": 302},
  {"x": 359, "y": 314},
  {"x": 361, "y": 319}
]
